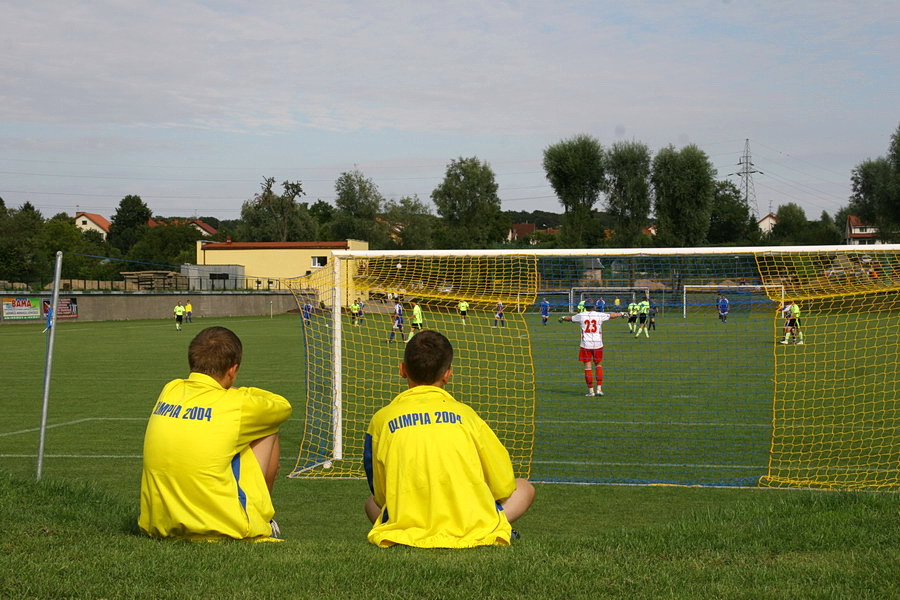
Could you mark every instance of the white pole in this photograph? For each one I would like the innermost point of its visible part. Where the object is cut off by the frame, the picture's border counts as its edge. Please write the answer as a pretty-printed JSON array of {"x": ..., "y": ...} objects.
[
  {"x": 48, "y": 365},
  {"x": 337, "y": 398}
]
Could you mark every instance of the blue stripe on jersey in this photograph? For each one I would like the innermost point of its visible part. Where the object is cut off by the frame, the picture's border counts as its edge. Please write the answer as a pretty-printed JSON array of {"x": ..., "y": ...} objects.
[
  {"x": 236, "y": 471},
  {"x": 367, "y": 461}
]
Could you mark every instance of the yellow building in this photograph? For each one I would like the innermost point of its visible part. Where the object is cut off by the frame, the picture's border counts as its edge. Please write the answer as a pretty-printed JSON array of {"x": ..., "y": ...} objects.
[{"x": 273, "y": 259}]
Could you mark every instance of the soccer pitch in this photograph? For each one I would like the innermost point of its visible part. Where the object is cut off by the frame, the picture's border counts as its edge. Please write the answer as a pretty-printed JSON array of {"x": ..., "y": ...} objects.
[
  {"x": 691, "y": 404},
  {"x": 61, "y": 540}
]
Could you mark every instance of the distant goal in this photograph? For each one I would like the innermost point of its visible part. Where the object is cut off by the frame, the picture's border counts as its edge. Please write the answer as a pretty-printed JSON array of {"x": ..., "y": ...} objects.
[{"x": 695, "y": 298}]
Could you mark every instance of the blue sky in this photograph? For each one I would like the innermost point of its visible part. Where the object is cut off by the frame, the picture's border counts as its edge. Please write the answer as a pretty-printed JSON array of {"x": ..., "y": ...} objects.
[{"x": 191, "y": 104}]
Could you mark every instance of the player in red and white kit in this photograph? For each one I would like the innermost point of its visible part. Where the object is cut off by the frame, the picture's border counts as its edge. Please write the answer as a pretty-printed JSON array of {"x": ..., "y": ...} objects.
[{"x": 591, "y": 351}]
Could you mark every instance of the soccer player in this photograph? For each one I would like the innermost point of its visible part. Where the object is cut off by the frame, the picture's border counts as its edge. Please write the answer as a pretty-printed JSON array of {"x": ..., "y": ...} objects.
[
  {"x": 600, "y": 305},
  {"x": 632, "y": 316},
  {"x": 651, "y": 314},
  {"x": 463, "y": 308},
  {"x": 362, "y": 309},
  {"x": 580, "y": 308},
  {"x": 498, "y": 315},
  {"x": 439, "y": 476},
  {"x": 397, "y": 322},
  {"x": 211, "y": 450},
  {"x": 545, "y": 311},
  {"x": 590, "y": 352},
  {"x": 307, "y": 310},
  {"x": 189, "y": 311},
  {"x": 722, "y": 305},
  {"x": 643, "y": 308},
  {"x": 354, "y": 312},
  {"x": 179, "y": 315},
  {"x": 417, "y": 320},
  {"x": 791, "y": 312}
]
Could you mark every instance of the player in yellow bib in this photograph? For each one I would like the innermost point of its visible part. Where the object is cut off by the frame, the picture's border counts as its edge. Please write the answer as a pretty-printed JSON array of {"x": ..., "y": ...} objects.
[
  {"x": 179, "y": 315},
  {"x": 791, "y": 312},
  {"x": 643, "y": 309},
  {"x": 632, "y": 317},
  {"x": 415, "y": 324},
  {"x": 439, "y": 476},
  {"x": 463, "y": 308},
  {"x": 211, "y": 450}
]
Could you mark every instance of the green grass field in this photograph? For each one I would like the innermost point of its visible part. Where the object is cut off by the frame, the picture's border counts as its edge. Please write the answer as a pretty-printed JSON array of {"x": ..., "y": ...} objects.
[{"x": 72, "y": 534}]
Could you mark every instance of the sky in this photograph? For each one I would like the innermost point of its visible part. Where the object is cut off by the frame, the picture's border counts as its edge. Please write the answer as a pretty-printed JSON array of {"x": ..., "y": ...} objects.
[{"x": 191, "y": 104}]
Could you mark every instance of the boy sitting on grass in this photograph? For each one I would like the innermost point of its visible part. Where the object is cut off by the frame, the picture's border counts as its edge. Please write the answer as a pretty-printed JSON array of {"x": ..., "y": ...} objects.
[
  {"x": 211, "y": 450},
  {"x": 439, "y": 476}
]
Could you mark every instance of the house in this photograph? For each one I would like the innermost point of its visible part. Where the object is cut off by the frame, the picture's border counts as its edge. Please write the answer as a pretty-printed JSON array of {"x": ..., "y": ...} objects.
[
  {"x": 86, "y": 221},
  {"x": 522, "y": 231},
  {"x": 859, "y": 233},
  {"x": 273, "y": 259},
  {"x": 767, "y": 223},
  {"x": 205, "y": 229}
]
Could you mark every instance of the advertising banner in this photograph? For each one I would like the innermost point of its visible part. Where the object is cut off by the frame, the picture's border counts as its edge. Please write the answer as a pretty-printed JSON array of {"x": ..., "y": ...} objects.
[
  {"x": 22, "y": 308},
  {"x": 67, "y": 308}
]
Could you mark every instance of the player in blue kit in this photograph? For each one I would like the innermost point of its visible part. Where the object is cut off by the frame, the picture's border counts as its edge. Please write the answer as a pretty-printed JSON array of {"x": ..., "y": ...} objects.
[
  {"x": 722, "y": 306},
  {"x": 397, "y": 321},
  {"x": 545, "y": 311}
]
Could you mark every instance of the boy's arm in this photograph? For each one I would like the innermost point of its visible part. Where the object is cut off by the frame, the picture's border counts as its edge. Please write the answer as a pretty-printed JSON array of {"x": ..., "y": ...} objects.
[
  {"x": 262, "y": 412},
  {"x": 496, "y": 464}
]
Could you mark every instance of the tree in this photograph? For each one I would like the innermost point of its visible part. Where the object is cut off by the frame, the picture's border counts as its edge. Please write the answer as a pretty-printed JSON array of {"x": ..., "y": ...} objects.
[
  {"x": 791, "y": 224},
  {"x": 323, "y": 214},
  {"x": 576, "y": 172},
  {"x": 875, "y": 196},
  {"x": 731, "y": 219},
  {"x": 469, "y": 206},
  {"x": 272, "y": 217},
  {"x": 21, "y": 256},
  {"x": 129, "y": 223},
  {"x": 628, "y": 190},
  {"x": 410, "y": 224},
  {"x": 166, "y": 246},
  {"x": 683, "y": 185},
  {"x": 357, "y": 210}
]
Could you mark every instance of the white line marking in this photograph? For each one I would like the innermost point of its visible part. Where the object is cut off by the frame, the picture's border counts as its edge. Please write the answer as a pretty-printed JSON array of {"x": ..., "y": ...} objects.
[
  {"x": 665, "y": 465},
  {"x": 652, "y": 423},
  {"x": 75, "y": 422}
]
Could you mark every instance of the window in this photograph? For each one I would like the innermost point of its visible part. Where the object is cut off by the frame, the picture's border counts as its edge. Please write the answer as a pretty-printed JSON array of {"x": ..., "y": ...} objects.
[
  {"x": 319, "y": 261},
  {"x": 84, "y": 221}
]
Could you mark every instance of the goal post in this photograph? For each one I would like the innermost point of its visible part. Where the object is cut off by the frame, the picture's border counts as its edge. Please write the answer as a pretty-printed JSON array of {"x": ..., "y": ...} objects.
[
  {"x": 771, "y": 292},
  {"x": 686, "y": 403}
]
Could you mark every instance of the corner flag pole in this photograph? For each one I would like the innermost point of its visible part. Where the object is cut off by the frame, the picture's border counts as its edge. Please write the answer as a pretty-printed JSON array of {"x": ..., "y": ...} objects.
[{"x": 48, "y": 365}]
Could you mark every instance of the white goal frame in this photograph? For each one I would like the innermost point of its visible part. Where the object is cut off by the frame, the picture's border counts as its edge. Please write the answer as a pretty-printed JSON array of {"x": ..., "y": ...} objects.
[
  {"x": 743, "y": 286},
  {"x": 338, "y": 256}
]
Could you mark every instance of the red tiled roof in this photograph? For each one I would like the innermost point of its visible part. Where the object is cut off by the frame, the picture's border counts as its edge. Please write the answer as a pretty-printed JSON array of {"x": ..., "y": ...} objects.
[
  {"x": 208, "y": 229},
  {"x": 205, "y": 227},
  {"x": 276, "y": 246},
  {"x": 99, "y": 220}
]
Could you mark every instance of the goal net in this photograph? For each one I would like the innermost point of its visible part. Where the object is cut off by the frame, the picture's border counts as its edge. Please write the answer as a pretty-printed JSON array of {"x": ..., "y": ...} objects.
[
  {"x": 740, "y": 298},
  {"x": 690, "y": 401}
]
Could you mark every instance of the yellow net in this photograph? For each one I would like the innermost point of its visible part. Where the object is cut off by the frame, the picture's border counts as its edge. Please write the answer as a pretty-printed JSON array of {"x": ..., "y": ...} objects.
[
  {"x": 835, "y": 417},
  {"x": 707, "y": 398},
  {"x": 492, "y": 368}
]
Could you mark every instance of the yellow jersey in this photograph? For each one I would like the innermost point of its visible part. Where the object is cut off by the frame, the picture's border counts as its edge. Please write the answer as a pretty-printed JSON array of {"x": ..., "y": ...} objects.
[
  {"x": 438, "y": 471},
  {"x": 200, "y": 479}
]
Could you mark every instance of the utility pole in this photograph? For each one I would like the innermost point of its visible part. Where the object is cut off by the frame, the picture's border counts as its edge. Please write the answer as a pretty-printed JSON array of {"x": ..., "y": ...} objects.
[{"x": 745, "y": 170}]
